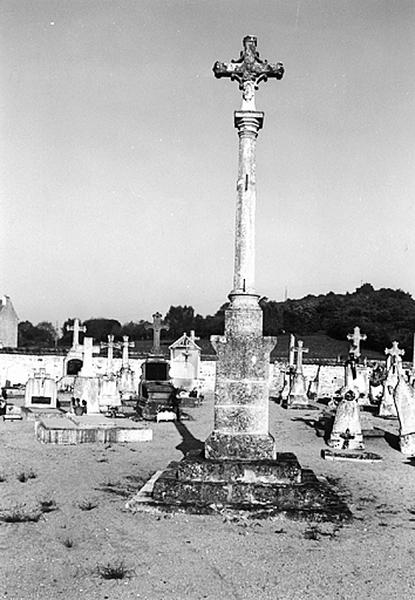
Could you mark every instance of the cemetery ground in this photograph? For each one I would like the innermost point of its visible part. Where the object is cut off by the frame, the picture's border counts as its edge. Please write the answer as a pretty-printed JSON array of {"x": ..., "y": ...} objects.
[{"x": 65, "y": 532}]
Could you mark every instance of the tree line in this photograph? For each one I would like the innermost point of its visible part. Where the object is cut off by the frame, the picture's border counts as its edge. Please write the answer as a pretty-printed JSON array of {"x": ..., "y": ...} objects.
[{"x": 383, "y": 314}]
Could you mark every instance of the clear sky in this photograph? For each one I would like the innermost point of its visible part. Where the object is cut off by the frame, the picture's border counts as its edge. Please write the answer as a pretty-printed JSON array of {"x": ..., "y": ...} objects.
[{"x": 119, "y": 156}]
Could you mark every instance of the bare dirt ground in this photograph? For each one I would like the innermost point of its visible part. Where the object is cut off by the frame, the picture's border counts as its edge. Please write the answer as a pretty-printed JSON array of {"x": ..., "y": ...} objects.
[{"x": 198, "y": 557}]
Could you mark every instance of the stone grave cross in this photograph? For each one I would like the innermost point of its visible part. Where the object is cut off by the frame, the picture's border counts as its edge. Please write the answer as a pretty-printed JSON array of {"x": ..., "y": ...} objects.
[
  {"x": 157, "y": 326},
  {"x": 77, "y": 329},
  {"x": 355, "y": 338},
  {"x": 300, "y": 350},
  {"x": 125, "y": 346},
  {"x": 394, "y": 355},
  {"x": 110, "y": 356}
]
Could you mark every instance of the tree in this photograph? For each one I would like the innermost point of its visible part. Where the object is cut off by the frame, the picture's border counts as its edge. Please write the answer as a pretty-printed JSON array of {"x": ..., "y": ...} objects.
[{"x": 180, "y": 319}]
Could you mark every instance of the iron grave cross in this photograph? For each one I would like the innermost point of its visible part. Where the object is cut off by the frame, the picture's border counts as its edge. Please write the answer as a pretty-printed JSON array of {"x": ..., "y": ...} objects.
[{"x": 248, "y": 70}]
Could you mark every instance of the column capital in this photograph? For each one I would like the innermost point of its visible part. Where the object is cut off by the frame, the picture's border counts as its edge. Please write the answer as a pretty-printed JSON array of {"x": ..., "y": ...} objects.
[{"x": 248, "y": 120}]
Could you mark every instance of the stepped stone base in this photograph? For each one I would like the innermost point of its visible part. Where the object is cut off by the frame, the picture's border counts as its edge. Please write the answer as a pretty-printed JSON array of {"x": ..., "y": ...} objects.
[{"x": 264, "y": 488}]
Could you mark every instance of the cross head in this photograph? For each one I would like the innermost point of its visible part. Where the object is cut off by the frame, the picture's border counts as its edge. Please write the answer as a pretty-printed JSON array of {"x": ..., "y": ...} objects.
[
  {"x": 77, "y": 329},
  {"x": 248, "y": 70},
  {"x": 394, "y": 354},
  {"x": 300, "y": 350},
  {"x": 355, "y": 338}
]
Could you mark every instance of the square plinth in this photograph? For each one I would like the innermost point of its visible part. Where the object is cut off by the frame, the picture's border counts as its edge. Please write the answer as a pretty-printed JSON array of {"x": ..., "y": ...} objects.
[{"x": 201, "y": 485}]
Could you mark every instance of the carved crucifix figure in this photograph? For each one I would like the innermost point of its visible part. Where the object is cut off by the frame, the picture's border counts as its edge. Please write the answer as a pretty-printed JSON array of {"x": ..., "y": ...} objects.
[
  {"x": 248, "y": 70},
  {"x": 110, "y": 356},
  {"x": 157, "y": 326},
  {"x": 77, "y": 329},
  {"x": 125, "y": 346},
  {"x": 355, "y": 338}
]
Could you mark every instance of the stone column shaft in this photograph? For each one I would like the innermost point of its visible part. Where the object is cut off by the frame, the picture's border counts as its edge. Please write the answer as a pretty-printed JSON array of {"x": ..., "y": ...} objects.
[{"x": 248, "y": 124}]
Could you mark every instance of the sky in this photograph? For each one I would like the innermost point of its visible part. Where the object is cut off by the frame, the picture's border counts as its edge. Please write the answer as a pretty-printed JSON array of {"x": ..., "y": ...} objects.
[{"x": 119, "y": 155}]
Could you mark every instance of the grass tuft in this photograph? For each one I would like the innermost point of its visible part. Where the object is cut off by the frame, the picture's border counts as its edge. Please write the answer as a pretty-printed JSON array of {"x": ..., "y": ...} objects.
[
  {"x": 20, "y": 514},
  {"x": 68, "y": 542},
  {"x": 26, "y": 475},
  {"x": 87, "y": 504},
  {"x": 115, "y": 570},
  {"x": 47, "y": 505}
]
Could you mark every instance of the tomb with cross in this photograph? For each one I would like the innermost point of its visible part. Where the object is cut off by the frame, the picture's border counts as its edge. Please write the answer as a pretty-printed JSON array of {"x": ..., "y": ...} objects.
[
  {"x": 184, "y": 361},
  {"x": 240, "y": 465}
]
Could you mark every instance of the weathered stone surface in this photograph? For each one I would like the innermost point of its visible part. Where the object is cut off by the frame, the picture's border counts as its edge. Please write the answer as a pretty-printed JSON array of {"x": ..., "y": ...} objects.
[
  {"x": 347, "y": 432},
  {"x": 306, "y": 495},
  {"x": 350, "y": 455},
  {"x": 284, "y": 470},
  {"x": 239, "y": 446}
]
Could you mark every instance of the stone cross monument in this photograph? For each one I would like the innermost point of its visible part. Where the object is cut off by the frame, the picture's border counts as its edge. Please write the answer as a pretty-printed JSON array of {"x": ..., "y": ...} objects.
[
  {"x": 77, "y": 329},
  {"x": 241, "y": 420},
  {"x": 355, "y": 338},
  {"x": 156, "y": 326},
  {"x": 300, "y": 350}
]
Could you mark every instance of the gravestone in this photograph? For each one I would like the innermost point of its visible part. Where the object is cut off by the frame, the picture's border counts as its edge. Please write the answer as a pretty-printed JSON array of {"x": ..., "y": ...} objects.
[
  {"x": 347, "y": 432},
  {"x": 126, "y": 377},
  {"x": 184, "y": 362},
  {"x": 86, "y": 384},
  {"x": 387, "y": 406},
  {"x": 404, "y": 396},
  {"x": 240, "y": 467},
  {"x": 297, "y": 398},
  {"x": 41, "y": 391},
  {"x": 357, "y": 375},
  {"x": 155, "y": 388}
]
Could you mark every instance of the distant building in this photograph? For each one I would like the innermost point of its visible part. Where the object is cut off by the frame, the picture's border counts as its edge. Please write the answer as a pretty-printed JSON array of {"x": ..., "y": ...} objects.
[{"x": 8, "y": 323}]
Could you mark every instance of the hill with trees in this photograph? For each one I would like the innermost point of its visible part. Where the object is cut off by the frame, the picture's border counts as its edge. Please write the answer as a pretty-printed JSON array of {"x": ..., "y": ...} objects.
[{"x": 384, "y": 315}]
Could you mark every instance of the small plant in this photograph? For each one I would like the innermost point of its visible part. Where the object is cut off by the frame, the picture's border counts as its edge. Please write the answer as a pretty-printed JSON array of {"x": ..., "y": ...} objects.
[
  {"x": 26, "y": 475},
  {"x": 2, "y": 478},
  {"x": 68, "y": 542},
  {"x": 20, "y": 514},
  {"x": 313, "y": 533},
  {"x": 115, "y": 570},
  {"x": 87, "y": 504},
  {"x": 47, "y": 506}
]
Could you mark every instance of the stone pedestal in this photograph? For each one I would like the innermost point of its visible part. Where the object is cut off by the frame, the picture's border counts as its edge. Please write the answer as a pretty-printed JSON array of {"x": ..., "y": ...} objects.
[
  {"x": 241, "y": 429},
  {"x": 297, "y": 397}
]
